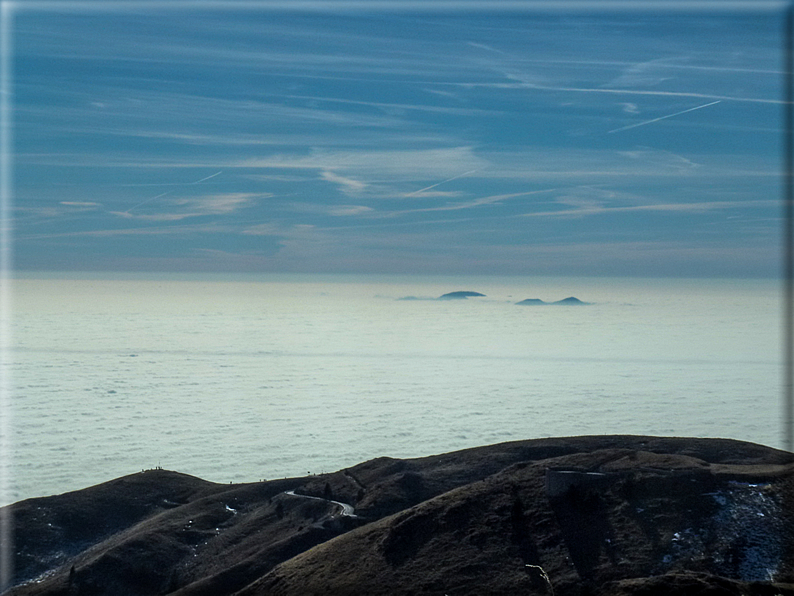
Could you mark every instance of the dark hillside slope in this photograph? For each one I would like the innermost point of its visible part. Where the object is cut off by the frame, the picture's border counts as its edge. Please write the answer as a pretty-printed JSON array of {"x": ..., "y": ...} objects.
[
  {"x": 52, "y": 529},
  {"x": 598, "y": 515},
  {"x": 720, "y": 527}
]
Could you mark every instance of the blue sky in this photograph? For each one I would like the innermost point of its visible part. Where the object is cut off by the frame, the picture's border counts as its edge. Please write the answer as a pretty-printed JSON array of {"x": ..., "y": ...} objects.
[{"x": 236, "y": 138}]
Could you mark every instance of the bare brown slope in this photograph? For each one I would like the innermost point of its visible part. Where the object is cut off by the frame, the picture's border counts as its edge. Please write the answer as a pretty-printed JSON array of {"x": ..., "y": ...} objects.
[
  {"x": 385, "y": 485},
  {"x": 165, "y": 533},
  {"x": 707, "y": 529}
]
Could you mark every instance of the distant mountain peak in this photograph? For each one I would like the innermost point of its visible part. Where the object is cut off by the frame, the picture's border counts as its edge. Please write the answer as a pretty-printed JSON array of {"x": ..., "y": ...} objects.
[
  {"x": 459, "y": 295},
  {"x": 569, "y": 300},
  {"x": 537, "y": 301},
  {"x": 531, "y": 302}
]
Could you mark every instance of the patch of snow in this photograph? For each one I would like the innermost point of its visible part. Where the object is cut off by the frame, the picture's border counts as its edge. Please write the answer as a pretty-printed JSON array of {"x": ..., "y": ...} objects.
[
  {"x": 748, "y": 532},
  {"x": 741, "y": 540},
  {"x": 721, "y": 499}
]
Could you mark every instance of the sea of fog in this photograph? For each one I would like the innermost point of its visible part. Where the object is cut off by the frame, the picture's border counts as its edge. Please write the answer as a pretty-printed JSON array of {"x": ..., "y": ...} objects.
[{"x": 275, "y": 376}]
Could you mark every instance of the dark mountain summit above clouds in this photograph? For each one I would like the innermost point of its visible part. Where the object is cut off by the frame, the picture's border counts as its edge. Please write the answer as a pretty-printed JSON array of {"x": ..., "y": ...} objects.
[
  {"x": 579, "y": 515},
  {"x": 537, "y": 301},
  {"x": 459, "y": 295},
  {"x": 570, "y": 300},
  {"x": 464, "y": 294}
]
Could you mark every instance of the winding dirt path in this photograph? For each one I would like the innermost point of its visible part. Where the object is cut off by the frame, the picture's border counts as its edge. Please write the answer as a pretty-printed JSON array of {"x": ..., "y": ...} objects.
[{"x": 346, "y": 510}]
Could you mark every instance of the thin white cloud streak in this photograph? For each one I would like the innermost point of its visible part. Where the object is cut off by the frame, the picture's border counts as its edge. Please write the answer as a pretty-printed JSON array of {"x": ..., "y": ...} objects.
[
  {"x": 640, "y": 74},
  {"x": 414, "y": 164},
  {"x": 617, "y": 91},
  {"x": 169, "y": 192},
  {"x": 347, "y": 210},
  {"x": 440, "y": 183},
  {"x": 147, "y": 231},
  {"x": 222, "y": 203},
  {"x": 632, "y": 71},
  {"x": 200, "y": 206},
  {"x": 213, "y": 111},
  {"x": 277, "y": 229},
  {"x": 661, "y": 158},
  {"x": 663, "y": 207},
  {"x": 737, "y": 167},
  {"x": 333, "y": 210},
  {"x": 406, "y": 138},
  {"x": 483, "y": 46},
  {"x": 448, "y": 194},
  {"x": 370, "y": 213},
  {"x": 156, "y": 216},
  {"x": 398, "y": 106},
  {"x": 275, "y": 178},
  {"x": 665, "y": 65},
  {"x": 347, "y": 184},
  {"x": 241, "y": 139},
  {"x": 705, "y": 105},
  {"x": 470, "y": 204},
  {"x": 208, "y": 177}
]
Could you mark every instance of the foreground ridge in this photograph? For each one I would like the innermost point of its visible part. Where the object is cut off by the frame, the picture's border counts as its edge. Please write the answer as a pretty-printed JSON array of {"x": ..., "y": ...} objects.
[{"x": 578, "y": 515}]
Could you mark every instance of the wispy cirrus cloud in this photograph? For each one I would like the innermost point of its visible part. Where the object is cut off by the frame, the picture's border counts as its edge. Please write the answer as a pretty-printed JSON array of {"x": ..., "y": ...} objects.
[
  {"x": 81, "y": 204},
  {"x": 276, "y": 229},
  {"x": 61, "y": 211},
  {"x": 660, "y": 158},
  {"x": 187, "y": 207},
  {"x": 434, "y": 194},
  {"x": 584, "y": 207},
  {"x": 672, "y": 64},
  {"x": 356, "y": 141},
  {"x": 346, "y": 210},
  {"x": 425, "y": 189},
  {"x": 177, "y": 230},
  {"x": 393, "y": 108},
  {"x": 645, "y": 122},
  {"x": 526, "y": 84},
  {"x": 348, "y": 185},
  {"x": 642, "y": 74},
  {"x": 390, "y": 164},
  {"x": 333, "y": 210},
  {"x": 203, "y": 179},
  {"x": 221, "y": 203},
  {"x": 473, "y": 203}
]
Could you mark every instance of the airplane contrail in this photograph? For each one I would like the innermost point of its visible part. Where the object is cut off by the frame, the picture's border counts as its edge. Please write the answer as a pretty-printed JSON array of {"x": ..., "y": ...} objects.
[
  {"x": 705, "y": 105},
  {"x": 416, "y": 192},
  {"x": 208, "y": 177},
  {"x": 169, "y": 192},
  {"x": 146, "y": 201}
]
